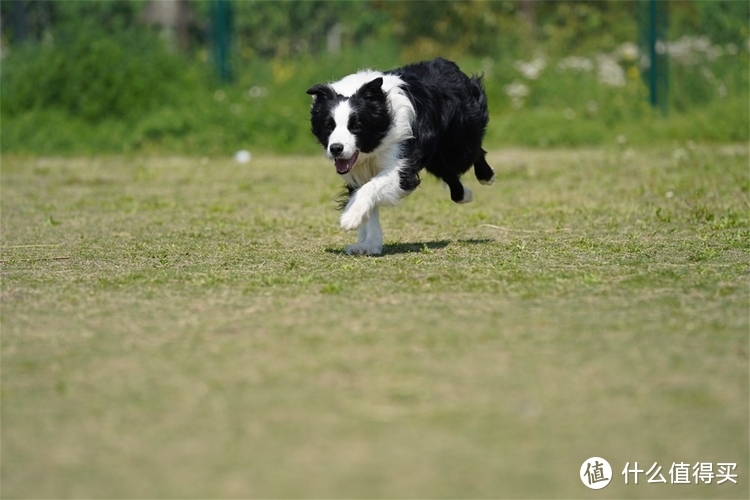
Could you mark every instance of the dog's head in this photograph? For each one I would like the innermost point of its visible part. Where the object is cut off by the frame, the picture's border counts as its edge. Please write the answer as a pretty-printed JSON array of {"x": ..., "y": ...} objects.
[{"x": 348, "y": 126}]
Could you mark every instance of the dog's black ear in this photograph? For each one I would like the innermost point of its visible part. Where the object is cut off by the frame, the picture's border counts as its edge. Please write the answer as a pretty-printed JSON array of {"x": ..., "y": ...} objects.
[
  {"x": 373, "y": 90},
  {"x": 321, "y": 91}
]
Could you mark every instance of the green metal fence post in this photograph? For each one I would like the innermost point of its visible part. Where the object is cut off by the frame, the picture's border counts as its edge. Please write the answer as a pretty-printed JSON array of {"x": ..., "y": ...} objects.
[
  {"x": 221, "y": 18},
  {"x": 652, "y": 42}
]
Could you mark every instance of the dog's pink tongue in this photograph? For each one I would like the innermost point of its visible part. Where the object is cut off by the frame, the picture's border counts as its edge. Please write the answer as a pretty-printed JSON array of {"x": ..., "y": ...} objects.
[{"x": 343, "y": 166}]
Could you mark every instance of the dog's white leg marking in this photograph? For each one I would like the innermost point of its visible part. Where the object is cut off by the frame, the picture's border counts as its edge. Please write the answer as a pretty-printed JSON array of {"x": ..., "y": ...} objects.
[
  {"x": 370, "y": 240},
  {"x": 357, "y": 210},
  {"x": 381, "y": 190},
  {"x": 468, "y": 196},
  {"x": 490, "y": 181}
]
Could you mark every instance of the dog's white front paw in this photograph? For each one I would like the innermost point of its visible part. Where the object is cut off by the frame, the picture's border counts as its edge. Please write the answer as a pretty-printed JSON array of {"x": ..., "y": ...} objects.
[
  {"x": 353, "y": 217},
  {"x": 364, "y": 249}
]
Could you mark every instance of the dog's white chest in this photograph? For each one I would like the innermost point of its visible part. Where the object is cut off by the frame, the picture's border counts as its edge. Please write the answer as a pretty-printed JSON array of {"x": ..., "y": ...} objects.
[{"x": 364, "y": 170}]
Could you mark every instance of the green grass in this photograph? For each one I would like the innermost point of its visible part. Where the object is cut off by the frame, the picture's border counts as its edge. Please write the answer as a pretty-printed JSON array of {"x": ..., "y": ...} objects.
[{"x": 187, "y": 327}]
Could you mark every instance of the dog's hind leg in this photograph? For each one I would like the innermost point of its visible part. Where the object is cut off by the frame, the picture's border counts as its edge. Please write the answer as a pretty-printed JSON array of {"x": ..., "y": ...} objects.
[
  {"x": 485, "y": 174},
  {"x": 459, "y": 192}
]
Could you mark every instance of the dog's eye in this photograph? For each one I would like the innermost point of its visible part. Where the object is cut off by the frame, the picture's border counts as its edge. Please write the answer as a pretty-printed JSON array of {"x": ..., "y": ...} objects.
[
  {"x": 330, "y": 125},
  {"x": 353, "y": 123}
]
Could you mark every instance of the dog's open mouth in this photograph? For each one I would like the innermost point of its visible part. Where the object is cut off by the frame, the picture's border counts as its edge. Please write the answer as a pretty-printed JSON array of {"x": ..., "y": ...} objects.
[{"x": 345, "y": 165}]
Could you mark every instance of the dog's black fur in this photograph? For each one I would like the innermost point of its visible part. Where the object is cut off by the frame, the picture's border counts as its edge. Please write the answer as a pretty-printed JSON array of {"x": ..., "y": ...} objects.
[{"x": 452, "y": 116}]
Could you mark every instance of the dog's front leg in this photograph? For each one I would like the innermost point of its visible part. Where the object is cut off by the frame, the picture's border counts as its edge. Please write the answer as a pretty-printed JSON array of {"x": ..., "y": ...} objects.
[
  {"x": 358, "y": 209},
  {"x": 382, "y": 190},
  {"x": 370, "y": 240}
]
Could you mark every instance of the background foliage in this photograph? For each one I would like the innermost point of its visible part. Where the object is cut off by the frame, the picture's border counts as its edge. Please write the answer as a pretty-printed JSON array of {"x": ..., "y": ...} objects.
[{"x": 90, "y": 77}]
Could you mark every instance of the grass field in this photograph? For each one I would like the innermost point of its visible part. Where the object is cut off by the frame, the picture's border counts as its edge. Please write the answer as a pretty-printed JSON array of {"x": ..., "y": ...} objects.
[{"x": 188, "y": 327}]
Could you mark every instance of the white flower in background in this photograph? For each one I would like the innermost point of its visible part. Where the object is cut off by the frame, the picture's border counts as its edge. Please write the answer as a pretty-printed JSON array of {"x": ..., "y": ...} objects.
[
  {"x": 487, "y": 65},
  {"x": 575, "y": 63},
  {"x": 721, "y": 88},
  {"x": 609, "y": 71},
  {"x": 531, "y": 69},
  {"x": 707, "y": 74},
  {"x": 681, "y": 50},
  {"x": 628, "y": 51},
  {"x": 517, "y": 91},
  {"x": 715, "y": 52},
  {"x": 691, "y": 50},
  {"x": 256, "y": 92},
  {"x": 645, "y": 62}
]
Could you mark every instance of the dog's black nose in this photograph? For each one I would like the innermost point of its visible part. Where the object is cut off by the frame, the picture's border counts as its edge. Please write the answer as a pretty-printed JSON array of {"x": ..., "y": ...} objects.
[{"x": 336, "y": 148}]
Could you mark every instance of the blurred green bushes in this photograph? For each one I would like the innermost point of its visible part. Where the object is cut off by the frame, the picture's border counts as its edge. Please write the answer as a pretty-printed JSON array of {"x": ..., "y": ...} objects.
[
  {"x": 97, "y": 76},
  {"x": 92, "y": 79}
]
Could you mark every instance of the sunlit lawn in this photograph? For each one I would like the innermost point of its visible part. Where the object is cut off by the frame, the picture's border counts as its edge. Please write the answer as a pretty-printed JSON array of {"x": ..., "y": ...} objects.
[{"x": 187, "y": 327}]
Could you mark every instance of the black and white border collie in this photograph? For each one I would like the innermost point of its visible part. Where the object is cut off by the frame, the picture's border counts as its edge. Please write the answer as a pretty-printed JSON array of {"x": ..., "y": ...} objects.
[{"x": 382, "y": 128}]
